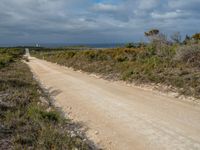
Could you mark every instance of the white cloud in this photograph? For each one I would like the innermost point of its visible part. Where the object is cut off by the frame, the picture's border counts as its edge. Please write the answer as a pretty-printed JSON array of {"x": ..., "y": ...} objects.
[
  {"x": 184, "y": 4},
  {"x": 168, "y": 15},
  {"x": 105, "y": 7},
  {"x": 148, "y": 4}
]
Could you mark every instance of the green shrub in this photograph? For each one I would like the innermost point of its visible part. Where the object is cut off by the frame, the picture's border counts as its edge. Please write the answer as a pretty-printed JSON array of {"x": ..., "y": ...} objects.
[
  {"x": 130, "y": 45},
  {"x": 189, "y": 54},
  {"x": 121, "y": 58},
  {"x": 50, "y": 116},
  {"x": 5, "y": 59},
  {"x": 9, "y": 55}
]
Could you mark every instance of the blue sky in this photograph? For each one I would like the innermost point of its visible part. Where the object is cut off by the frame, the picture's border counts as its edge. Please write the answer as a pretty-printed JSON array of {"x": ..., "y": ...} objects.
[{"x": 94, "y": 21}]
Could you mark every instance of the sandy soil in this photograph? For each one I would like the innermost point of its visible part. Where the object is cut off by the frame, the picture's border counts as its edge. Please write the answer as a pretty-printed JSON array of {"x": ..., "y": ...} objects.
[{"x": 119, "y": 117}]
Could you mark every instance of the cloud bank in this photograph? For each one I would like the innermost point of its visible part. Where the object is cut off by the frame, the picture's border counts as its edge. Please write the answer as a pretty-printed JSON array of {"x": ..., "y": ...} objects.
[{"x": 93, "y": 21}]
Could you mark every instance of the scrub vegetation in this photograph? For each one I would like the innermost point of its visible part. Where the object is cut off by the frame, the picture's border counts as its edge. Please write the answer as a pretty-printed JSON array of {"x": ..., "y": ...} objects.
[
  {"x": 28, "y": 120},
  {"x": 173, "y": 63}
]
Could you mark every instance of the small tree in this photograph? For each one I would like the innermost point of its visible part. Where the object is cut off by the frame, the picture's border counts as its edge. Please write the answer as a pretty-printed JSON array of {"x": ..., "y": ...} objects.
[
  {"x": 130, "y": 45},
  {"x": 187, "y": 39},
  {"x": 152, "y": 32},
  {"x": 176, "y": 37},
  {"x": 152, "y": 35},
  {"x": 158, "y": 40},
  {"x": 155, "y": 36}
]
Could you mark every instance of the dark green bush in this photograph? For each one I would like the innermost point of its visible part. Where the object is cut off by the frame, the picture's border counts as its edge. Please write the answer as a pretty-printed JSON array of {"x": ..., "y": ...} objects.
[{"x": 130, "y": 45}]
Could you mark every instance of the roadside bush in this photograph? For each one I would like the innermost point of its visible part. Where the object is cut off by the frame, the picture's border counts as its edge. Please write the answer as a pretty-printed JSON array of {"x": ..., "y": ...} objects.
[
  {"x": 121, "y": 58},
  {"x": 139, "y": 65},
  {"x": 8, "y": 55},
  {"x": 189, "y": 54},
  {"x": 5, "y": 59},
  {"x": 70, "y": 54},
  {"x": 90, "y": 55}
]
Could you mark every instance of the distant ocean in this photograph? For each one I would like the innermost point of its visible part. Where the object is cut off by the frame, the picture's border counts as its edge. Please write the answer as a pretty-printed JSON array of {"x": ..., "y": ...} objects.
[{"x": 59, "y": 45}]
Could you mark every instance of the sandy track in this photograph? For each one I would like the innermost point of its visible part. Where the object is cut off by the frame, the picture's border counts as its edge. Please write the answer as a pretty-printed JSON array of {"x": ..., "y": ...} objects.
[{"x": 121, "y": 117}]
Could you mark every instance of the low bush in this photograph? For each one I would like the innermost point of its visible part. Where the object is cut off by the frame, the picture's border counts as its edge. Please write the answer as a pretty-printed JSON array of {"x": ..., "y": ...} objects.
[
  {"x": 189, "y": 54},
  {"x": 5, "y": 59},
  {"x": 8, "y": 55},
  {"x": 130, "y": 45}
]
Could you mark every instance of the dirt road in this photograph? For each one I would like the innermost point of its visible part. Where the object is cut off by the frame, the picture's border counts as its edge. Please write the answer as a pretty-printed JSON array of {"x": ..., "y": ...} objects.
[{"x": 119, "y": 117}]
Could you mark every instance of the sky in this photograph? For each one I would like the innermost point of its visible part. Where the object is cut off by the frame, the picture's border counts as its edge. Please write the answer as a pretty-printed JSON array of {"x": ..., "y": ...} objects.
[{"x": 94, "y": 21}]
